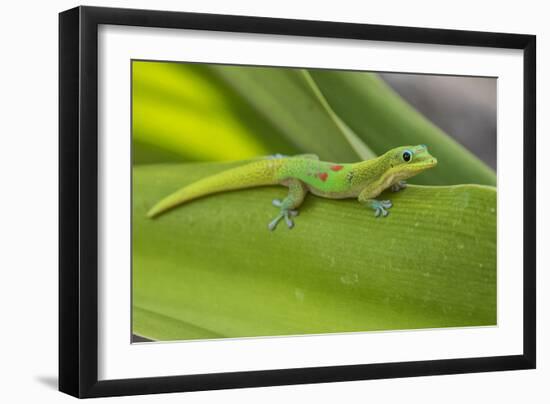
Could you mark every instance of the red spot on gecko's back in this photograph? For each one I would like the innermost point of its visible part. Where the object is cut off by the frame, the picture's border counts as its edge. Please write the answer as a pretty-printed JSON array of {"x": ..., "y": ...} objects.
[
  {"x": 322, "y": 176},
  {"x": 336, "y": 167}
]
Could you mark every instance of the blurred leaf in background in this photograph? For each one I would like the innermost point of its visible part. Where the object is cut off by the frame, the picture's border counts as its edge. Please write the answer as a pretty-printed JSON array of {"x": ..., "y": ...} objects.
[
  {"x": 384, "y": 120},
  {"x": 181, "y": 112},
  {"x": 211, "y": 269}
]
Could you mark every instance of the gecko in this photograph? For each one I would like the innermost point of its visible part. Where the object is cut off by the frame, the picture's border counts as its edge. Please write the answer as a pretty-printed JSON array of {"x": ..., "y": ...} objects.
[{"x": 305, "y": 173}]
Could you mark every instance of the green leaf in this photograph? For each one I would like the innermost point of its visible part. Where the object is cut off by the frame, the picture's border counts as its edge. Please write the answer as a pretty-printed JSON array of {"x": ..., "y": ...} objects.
[
  {"x": 360, "y": 148},
  {"x": 211, "y": 269},
  {"x": 383, "y": 120},
  {"x": 291, "y": 101}
]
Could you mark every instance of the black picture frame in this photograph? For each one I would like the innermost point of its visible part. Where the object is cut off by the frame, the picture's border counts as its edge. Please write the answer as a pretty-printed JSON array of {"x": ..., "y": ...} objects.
[{"x": 78, "y": 201}]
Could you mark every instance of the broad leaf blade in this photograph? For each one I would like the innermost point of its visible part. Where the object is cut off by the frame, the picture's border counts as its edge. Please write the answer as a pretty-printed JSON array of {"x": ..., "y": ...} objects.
[{"x": 211, "y": 268}]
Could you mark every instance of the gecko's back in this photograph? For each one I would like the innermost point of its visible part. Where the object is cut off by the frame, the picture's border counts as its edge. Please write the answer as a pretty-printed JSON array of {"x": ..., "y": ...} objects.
[{"x": 322, "y": 177}]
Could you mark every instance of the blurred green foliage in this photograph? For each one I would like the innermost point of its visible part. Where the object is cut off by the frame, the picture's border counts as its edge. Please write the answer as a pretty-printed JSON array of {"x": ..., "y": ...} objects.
[{"x": 211, "y": 269}]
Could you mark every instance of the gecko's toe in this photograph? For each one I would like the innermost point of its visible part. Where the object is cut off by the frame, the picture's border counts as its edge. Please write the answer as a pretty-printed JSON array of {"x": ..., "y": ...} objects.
[
  {"x": 287, "y": 215},
  {"x": 289, "y": 221},
  {"x": 380, "y": 207},
  {"x": 277, "y": 202},
  {"x": 273, "y": 224},
  {"x": 381, "y": 212}
]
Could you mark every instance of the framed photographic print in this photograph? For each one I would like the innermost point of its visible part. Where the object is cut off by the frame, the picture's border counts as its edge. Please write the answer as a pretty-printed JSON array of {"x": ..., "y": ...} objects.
[{"x": 251, "y": 201}]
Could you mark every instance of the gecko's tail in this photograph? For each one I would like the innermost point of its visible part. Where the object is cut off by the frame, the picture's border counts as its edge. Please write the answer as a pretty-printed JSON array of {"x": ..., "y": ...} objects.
[{"x": 258, "y": 173}]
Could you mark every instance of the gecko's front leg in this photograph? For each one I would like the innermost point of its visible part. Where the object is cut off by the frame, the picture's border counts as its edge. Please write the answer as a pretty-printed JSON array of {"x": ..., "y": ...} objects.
[
  {"x": 379, "y": 207},
  {"x": 366, "y": 198},
  {"x": 398, "y": 186},
  {"x": 296, "y": 194}
]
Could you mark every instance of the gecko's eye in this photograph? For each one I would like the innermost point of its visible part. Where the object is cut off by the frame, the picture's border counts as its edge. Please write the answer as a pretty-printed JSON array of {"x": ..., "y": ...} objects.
[{"x": 407, "y": 156}]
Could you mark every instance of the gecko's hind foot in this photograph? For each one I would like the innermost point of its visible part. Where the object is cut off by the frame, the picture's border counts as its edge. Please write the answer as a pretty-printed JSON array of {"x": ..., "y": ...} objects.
[
  {"x": 286, "y": 214},
  {"x": 380, "y": 207},
  {"x": 398, "y": 186},
  {"x": 278, "y": 203}
]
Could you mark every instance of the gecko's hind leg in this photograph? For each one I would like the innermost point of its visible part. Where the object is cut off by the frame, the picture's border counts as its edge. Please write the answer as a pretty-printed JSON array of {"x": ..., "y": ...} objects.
[
  {"x": 296, "y": 194},
  {"x": 308, "y": 156},
  {"x": 277, "y": 156}
]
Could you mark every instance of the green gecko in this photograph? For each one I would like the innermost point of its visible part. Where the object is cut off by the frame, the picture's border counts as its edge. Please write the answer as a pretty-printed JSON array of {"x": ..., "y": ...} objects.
[{"x": 306, "y": 173}]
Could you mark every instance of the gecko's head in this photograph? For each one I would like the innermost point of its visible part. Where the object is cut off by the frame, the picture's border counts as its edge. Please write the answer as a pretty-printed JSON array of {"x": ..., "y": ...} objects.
[{"x": 407, "y": 161}]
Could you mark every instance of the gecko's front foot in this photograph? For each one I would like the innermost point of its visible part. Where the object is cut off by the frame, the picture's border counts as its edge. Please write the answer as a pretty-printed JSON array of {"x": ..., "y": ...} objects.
[
  {"x": 286, "y": 214},
  {"x": 380, "y": 207},
  {"x": 398, "y": 186}
]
